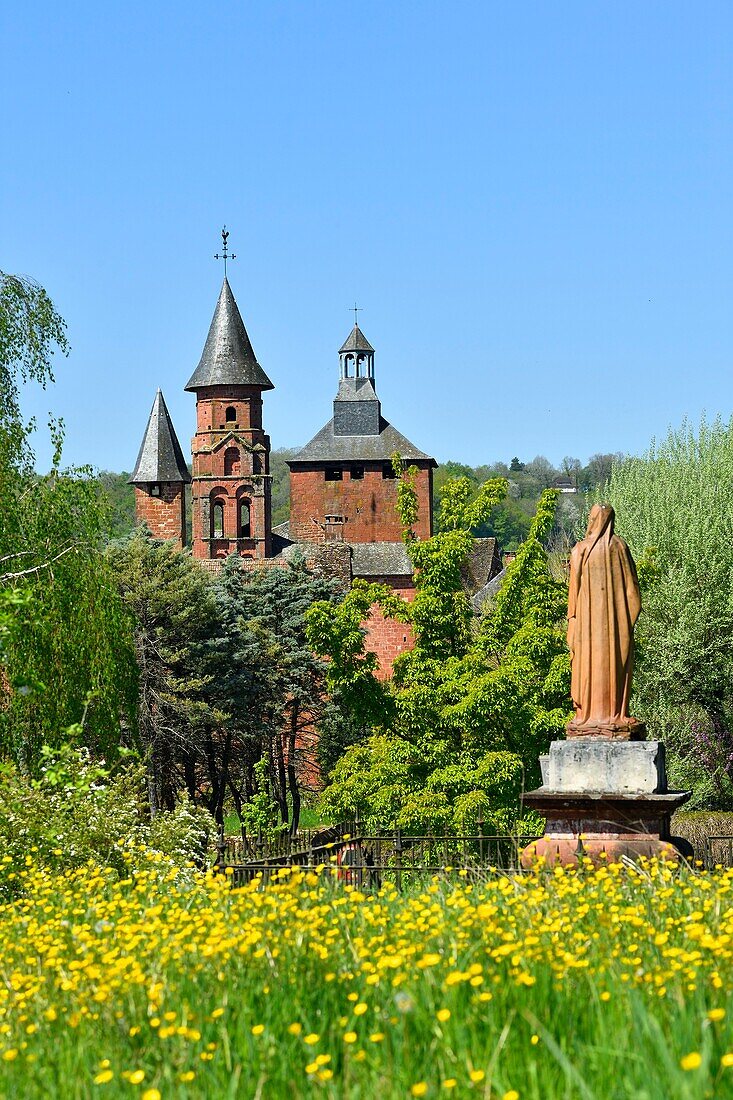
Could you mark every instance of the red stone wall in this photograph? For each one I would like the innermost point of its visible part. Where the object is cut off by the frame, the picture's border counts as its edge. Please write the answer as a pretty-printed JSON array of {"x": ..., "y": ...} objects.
[
  {"x": 385, "y": 637},
  {"x": 368, "y": 503},
  {"x": 165, "y": 515},
  {"x": 231, "y": 462}
]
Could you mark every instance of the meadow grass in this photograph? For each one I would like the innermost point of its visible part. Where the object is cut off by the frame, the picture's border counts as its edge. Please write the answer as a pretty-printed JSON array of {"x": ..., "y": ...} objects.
[{"x": 595, "y": 984}]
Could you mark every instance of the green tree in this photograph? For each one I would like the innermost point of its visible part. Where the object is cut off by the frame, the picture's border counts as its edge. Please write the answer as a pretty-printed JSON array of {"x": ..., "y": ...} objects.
[
  {"x": 674, "y": 507},
  {"x": 66, "y": 640},
  {"x": 287, "y": 698},
  {"x": 121, "y": 497},
  {"x": 472, "y": 705},
  {"x": 181, "y": 656}
]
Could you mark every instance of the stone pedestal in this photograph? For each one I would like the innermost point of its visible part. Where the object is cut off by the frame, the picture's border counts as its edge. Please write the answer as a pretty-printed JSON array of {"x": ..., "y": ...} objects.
[{"x": 604, "y": 799}]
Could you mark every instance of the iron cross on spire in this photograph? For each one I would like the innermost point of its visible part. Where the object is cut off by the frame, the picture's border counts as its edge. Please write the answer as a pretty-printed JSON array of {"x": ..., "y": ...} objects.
[
  {"x": 225, "y": 254},
  {"x": 356, "y": 309}
]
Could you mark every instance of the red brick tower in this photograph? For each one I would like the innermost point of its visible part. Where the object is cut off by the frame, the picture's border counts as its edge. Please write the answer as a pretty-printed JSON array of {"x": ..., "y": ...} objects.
[
  {"x": 231, "y": 490},
  {"x": 342, "y": 483},
  {"x": 160, "y": 477}
]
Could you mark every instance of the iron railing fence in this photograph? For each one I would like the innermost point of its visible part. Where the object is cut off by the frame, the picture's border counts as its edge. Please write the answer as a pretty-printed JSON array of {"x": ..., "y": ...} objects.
[
  {"x": 718, "y": 852},
  {"x": 363, "y": 860},
  {"x": 233, "y": 850}
]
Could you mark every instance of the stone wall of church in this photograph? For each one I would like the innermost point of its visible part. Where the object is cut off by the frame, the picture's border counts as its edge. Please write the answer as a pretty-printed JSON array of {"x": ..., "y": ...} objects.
[
  {"x": 361, "y": 494},
  {"x": 164, "y": 514},
  {"x": 231, "y": 510},
  {"x": 385, "y": 637}
]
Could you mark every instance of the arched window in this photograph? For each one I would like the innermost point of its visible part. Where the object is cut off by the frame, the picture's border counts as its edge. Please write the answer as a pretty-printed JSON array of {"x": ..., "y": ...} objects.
[
  {"x": 256, "y": 463},
  {"x": 217, "y": 519},
  {"x": 231, "y": 415},
  {"x": 245, "y": 520},
  {"x": 231, "y": 461}
]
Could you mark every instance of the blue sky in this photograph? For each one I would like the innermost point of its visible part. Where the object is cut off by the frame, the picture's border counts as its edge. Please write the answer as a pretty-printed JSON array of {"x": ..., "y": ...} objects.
[{"x": 532, "y": 202}]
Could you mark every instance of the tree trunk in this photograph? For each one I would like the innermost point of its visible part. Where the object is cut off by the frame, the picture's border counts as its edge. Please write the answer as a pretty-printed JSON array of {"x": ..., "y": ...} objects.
[
  {"x": 281, "y": 793},
  {"x": 152, "y": 791},
  {"x": 292, "y": 776},
  {"x": 226, "y": 754}
]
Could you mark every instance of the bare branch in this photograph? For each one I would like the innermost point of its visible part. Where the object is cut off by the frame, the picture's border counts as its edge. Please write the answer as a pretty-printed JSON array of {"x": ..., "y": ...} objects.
[{"x": 5, "y": 577}]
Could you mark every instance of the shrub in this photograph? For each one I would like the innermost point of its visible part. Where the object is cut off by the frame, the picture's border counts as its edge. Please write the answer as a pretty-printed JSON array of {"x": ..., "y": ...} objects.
[{"x": 77, "y": 811}]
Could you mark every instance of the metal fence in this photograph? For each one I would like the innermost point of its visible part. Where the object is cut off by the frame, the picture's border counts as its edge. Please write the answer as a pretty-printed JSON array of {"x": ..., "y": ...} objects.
[
  {"x": 718, "y": 852},
  {"x": 362, "y": 860}
]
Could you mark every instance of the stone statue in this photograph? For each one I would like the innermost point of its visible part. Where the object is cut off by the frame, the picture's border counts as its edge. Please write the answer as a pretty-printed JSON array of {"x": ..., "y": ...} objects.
[{"x": 603, "y": 606}]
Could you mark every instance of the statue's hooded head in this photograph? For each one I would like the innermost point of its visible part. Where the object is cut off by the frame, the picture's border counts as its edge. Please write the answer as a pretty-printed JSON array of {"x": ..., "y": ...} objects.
[{"x": 600, "y": 522}]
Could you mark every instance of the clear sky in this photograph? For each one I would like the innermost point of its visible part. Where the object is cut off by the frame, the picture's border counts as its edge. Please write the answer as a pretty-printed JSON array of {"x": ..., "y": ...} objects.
[{"x": 531, "y": 201}]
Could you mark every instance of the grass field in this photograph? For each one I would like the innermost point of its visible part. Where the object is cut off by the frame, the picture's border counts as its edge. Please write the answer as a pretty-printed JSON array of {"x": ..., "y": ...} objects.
[{"x": 598, "y": 984}]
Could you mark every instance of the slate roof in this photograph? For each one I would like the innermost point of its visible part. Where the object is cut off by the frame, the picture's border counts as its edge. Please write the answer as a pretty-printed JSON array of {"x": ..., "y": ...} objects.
[
  {"x": 380, "y": 559},
  {"x": 228, "y": 358},
  {"x": 326, "y": 446},
  {"x": 488, "y": 591},
  {"x": 160, "y": 457},
  {"x": 356, "y": 341},
  {"x": 356, "y": 389}
]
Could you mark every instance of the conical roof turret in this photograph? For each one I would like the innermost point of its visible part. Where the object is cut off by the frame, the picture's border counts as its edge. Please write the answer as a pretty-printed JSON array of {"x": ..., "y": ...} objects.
[
  {"x": 160, "y": 457},
  {"x": 228, "y": 358},
  {"x": 355, "y": 341}
]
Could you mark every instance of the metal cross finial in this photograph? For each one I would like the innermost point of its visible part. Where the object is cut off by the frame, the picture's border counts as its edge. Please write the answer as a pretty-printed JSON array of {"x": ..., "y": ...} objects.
[
  {"x": 224, "y": 255},
  {"x": 356, "y": 309}
]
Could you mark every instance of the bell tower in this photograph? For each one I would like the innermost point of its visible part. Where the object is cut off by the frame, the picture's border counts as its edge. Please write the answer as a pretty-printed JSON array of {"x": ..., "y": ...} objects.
[
  {"x": 231, "y": 485},
  {"x": 342, "y": 483}
]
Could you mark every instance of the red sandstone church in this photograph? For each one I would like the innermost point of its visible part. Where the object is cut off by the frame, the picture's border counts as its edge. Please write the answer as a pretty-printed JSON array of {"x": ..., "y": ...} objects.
[{"x": 342, "y": 485}]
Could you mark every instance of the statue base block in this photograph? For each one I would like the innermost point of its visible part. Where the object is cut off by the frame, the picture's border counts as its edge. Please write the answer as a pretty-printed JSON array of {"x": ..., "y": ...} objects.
[
  {"x": 569, "y": 849},
  {"x": 605, "y": 799}
]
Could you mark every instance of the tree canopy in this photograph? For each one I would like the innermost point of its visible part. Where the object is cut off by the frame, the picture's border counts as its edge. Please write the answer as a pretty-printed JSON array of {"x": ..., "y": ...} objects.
[
  {"x": 65, "y": 638},
  {"x": 674, "y": 507},
  {"x": 458, "y": 730}
]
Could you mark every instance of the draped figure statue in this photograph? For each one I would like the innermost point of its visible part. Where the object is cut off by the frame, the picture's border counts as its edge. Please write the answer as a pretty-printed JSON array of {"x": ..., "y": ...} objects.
[{"x": 603, "y": 606}]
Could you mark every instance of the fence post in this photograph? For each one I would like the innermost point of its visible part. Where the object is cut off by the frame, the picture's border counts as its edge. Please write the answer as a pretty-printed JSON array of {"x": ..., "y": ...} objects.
[
  {"x": 221, "y": 848},
  {"x": 359, "y": 865},
  {"x": 481, "y": 836},
  {"x": 398, "y": 858}
]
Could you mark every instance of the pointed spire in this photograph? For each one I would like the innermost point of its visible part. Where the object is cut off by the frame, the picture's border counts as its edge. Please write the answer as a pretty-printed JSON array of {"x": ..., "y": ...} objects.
[
  {"x": 228, "y": 358},
  {"x": 355, "y": 341},
  {"x": 160, "y": 458}
]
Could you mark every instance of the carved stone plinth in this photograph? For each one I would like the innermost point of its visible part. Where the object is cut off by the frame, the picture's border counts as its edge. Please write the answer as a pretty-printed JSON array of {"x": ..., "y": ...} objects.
[
  {"x": 604, "y": 800},
  {"x": 631, "y": 729}
]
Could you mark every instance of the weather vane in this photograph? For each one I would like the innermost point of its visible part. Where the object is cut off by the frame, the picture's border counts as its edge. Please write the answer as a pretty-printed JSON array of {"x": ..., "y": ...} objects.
[
  {"x": 356, "y": 309},
  {"x": 225, "y": 254}
]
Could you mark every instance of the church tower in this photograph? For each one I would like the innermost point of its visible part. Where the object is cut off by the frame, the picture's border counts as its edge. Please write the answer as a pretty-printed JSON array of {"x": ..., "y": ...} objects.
[
  {"x": 231, "y": 488},
  {"x": 160, "y": 477},
  {"x": 342, "y": 484}
]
